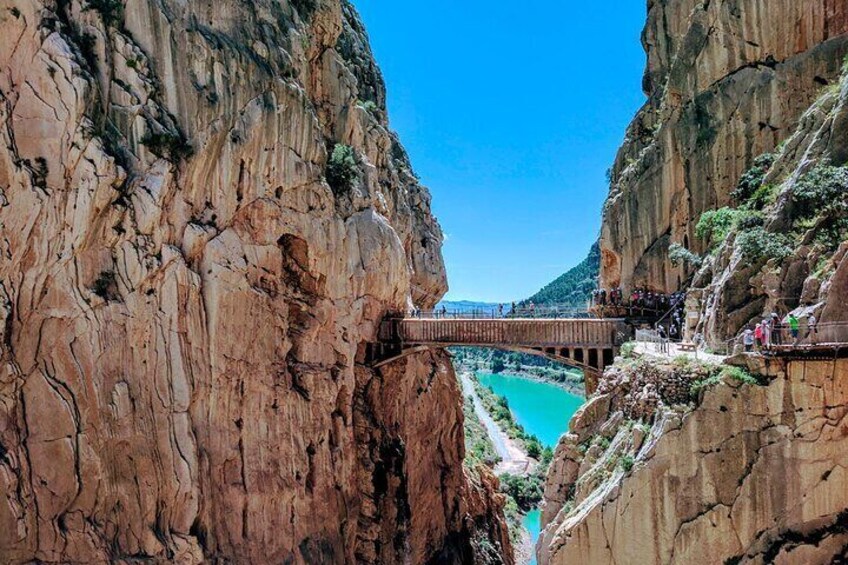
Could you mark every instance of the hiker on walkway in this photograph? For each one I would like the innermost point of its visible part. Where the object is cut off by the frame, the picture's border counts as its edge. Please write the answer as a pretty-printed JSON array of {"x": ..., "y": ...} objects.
[
  {"x": 793, "y": 328},
  {"x": 776, "y": 337},
  {"x": 500, "y": 310},
  {"x": 767, "y": 332},
  {"x": 812, "y": 330},
  {"x": 663, "y": 339},
  {"x": 748, "y": 339},
  {"x": 759, "y": 335}
]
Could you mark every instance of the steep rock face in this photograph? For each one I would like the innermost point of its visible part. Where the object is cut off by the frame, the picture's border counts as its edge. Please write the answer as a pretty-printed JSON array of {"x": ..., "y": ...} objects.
[
  {"x": 733, "y": 288},
  {"x": 754, "y": 474},
  {"x": 184, "y": 297},
  {"x": 726, "y": 81}
]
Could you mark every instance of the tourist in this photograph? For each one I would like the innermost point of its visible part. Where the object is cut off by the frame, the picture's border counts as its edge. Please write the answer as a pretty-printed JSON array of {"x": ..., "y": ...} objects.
[
  {"x": 661, "y": 333},
  {"x": 500, "y": 310},
  {"x": 748, "y": 339},
  {"x": 758, "y": 336},
  {"x": 793, "y": 328},
  {"x": 767, "y": 331},
  {"x": 776, "y": 337},
  {"x": 532, "y": 309},
  {"x": 812, "y": 330}
]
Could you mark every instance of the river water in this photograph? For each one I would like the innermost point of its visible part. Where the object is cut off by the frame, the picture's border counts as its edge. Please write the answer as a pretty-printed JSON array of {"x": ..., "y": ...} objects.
[{"x": 542, "y": 409}]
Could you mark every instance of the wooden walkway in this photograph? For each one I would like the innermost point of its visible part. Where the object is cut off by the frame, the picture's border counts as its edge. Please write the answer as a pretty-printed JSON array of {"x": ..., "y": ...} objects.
[{"x": 587, "y": 344}]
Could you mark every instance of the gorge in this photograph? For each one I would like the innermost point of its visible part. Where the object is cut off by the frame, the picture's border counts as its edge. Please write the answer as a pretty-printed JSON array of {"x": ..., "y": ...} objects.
[{"x": 206, "y": 219}]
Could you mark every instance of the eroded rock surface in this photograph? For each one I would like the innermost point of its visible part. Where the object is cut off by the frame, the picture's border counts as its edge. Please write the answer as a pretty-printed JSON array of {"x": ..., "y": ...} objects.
[
  {"x": 754, "y": 474},
  {"x": 184, "y": 296},
  {"x": 726, "y": 81}
]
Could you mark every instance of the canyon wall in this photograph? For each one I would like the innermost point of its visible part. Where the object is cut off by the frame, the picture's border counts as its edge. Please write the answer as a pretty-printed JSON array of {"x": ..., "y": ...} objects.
[
  {"x": 753, "y": 474},
  {"x": 203, "y": 217},
  {"x": 726, "y": 81},
  {"x": 676, "y": 461}
]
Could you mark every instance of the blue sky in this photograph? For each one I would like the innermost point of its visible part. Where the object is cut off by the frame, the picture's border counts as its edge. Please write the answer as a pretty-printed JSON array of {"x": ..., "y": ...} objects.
[{"x": 511, "y": 113}]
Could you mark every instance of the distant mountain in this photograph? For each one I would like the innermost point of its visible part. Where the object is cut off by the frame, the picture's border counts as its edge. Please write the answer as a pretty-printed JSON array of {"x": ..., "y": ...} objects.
[
  {"x": 466, "y": 305},
  {"x": 574, "y": 288}
]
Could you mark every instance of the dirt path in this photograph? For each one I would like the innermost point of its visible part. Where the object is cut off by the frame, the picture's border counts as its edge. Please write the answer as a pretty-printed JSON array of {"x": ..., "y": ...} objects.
[{"x": 513, "y": 459}]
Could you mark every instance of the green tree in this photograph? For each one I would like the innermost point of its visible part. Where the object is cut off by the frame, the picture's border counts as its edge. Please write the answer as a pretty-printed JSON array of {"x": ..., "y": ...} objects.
[{"x": 342, "y": 168}]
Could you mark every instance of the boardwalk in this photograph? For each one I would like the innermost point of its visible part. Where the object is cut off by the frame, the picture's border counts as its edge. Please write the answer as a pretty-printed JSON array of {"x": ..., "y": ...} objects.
[{"x": 587, "y": 344}]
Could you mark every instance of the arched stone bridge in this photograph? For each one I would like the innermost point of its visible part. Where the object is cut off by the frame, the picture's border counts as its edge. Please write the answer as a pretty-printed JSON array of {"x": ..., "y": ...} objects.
[{"x": 587, "y": 344}]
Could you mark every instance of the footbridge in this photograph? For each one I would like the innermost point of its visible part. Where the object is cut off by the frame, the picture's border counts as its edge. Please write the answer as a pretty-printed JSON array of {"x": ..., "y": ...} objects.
[{"x": 587, "y": 344}]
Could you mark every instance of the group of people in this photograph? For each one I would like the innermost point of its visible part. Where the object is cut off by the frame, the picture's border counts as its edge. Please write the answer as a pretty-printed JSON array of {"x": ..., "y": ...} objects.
[
  {"x": 640, "y": 298},
  {"x": 672, "y": 326},
  {"x": 604, "y": 297},
  {"x": 774, "y": 332}
]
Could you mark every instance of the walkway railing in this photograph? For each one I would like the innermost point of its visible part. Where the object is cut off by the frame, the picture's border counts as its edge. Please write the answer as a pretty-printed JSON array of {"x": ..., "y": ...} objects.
[
  {"x": 544, "y": 312},
  {"x": 823, "y": 335},
  {"x": 514, "y": 332}
]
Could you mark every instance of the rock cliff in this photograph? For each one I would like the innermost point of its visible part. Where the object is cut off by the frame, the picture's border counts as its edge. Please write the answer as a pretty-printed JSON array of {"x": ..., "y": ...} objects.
[
  {"x": 746, "y": 473},
  {"x": 203, "y": 216},
  {"x": 785, "y": 249},
  {"x": 732, "y": 183},
  {"x": 726, "y": 82}
]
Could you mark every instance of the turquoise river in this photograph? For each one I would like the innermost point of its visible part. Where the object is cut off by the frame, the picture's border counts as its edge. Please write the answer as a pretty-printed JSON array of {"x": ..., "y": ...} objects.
[{"x": 542, "y": 409}]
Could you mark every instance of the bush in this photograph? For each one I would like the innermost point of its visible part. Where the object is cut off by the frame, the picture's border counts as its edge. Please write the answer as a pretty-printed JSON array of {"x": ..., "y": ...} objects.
[
  {"x": 714, "y": 225},
  {"x": 626, "y": 463},
  {"x": 740, "y": 375},
  {"x": 831, "y": 232},
  {"x": 601, "y": 441},
  {"x": 168, "y": 145},
  {"x": 534, "y": 447},
  {"x": 696, "y": 387},
  {"x": 369, "y": 106},
  {"x": 752, "y": 180},
  {"x": 342, "y": 169},
  {"x": 822, "y": 192},
  {"x": 627, "y": 349},
  {"x": 526, "y": 491},
  {"x": 757, "y": 244},
  {"x": 763, "y": 196},
  {"x": 749, "y": 221},
  {"x": 679, "y": 255}
]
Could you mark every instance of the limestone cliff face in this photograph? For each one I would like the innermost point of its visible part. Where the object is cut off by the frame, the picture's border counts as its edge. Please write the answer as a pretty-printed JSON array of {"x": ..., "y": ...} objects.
[
  {"x": 726, "y": 81},
  {"x": 732, "y": 289},
  {"x": 184, "y": 296},
  {"x": 754, "y": 474}
]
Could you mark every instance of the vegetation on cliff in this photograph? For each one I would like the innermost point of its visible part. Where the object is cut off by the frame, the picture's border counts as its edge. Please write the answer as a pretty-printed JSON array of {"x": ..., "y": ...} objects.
[{"x": 478, "y": 447}]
